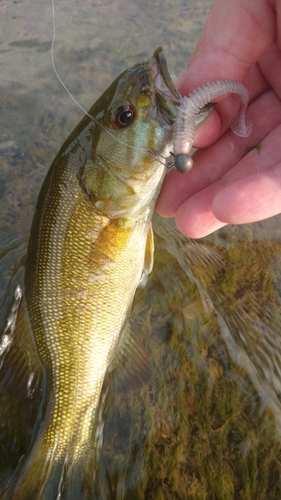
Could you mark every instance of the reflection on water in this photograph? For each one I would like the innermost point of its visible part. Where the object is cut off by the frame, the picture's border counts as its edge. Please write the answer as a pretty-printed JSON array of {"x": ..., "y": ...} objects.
[{"x": 207, "y": 423}]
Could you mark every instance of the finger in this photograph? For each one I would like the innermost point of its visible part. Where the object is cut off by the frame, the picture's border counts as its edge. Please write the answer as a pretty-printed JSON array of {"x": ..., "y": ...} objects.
[
  {"x": 248, "y": 200},
  {"x": 270, "y": 67},
  {"x": 249, "y": 192},
  {"x": 236, "y": 35},
  {"x": 277, "y": 5},
  {"x": 213, "y": 163},
  {"x": 195, "y": 217}
]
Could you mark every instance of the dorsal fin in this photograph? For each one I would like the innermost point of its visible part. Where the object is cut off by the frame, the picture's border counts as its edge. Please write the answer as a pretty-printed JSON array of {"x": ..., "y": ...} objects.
[{"x": 20, "y": 370}]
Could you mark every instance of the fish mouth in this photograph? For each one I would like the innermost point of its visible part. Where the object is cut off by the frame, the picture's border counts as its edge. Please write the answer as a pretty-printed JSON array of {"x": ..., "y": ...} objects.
[{"x": 166, "y": 96}]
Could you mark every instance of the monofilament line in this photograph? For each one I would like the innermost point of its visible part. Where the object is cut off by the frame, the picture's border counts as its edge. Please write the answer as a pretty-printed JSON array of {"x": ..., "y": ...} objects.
[{"x": 146, "y": 152}]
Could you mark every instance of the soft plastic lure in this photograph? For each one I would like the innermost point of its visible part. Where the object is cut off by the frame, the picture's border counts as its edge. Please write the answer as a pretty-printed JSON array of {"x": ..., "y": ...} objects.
[{"x": 184, "y": 126}]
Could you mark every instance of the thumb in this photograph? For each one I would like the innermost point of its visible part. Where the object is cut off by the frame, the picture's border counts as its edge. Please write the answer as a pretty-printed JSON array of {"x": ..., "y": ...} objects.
[{"x": 236, "y": 35}]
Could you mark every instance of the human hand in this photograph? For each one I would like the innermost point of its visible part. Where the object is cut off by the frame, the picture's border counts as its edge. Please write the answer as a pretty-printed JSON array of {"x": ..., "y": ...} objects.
[{"x": 226, "y": 185}]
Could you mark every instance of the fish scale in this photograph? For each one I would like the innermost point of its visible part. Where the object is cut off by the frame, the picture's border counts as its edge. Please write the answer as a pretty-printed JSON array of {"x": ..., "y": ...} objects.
[
  {"x": 90, "y": 243},
  {"x": 78, "y": 312}
]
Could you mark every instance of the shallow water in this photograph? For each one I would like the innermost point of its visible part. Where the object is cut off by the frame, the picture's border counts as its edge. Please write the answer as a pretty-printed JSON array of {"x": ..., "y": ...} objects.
[{"x": 207, "y": 424}]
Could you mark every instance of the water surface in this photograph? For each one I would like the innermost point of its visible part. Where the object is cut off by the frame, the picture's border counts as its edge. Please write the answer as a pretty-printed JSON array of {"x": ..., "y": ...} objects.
[{"x": 207, "y": 424}]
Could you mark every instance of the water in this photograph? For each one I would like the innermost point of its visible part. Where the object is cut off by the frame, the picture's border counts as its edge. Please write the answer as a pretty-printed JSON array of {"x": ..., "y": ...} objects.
[{"x": 207, "y": 423}]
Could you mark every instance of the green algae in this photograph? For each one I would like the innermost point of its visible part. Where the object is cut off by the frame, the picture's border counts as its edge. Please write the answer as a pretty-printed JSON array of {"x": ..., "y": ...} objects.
[
  {"x": 200, "y": 429},
  {"x": 206, "y": 425}
]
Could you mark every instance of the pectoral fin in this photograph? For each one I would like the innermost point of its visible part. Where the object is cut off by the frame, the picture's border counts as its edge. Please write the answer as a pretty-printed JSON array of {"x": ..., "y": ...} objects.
[
  {"x": 148, "y": 257},
  {"x": 130, "y": 366}
]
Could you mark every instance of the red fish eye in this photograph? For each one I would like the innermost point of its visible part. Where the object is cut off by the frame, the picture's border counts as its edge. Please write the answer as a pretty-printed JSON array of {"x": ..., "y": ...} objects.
[{"x": 123, "y": 116}]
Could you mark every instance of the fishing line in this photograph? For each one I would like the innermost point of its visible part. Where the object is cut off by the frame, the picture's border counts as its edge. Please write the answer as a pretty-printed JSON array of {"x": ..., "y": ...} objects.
[{"x": 154, "y": 155}]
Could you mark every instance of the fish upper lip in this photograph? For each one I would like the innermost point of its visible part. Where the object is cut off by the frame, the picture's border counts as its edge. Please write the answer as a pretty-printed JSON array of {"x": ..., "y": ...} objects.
[
  {"x": 165, "y": 93},
  {"x": 160, "y": 75}
]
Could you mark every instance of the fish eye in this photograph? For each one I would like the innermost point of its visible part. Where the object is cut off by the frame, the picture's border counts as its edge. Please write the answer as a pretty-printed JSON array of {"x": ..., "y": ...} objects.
[{"x": 123, "y": 116}]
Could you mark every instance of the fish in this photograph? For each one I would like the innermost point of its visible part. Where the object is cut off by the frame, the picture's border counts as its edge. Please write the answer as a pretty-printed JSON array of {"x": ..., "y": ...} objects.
[{"x": 91, "y": 245}]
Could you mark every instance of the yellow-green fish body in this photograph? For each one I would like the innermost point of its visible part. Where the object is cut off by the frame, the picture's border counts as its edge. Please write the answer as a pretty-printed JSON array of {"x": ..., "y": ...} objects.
[{"x": 90, "y": 243}]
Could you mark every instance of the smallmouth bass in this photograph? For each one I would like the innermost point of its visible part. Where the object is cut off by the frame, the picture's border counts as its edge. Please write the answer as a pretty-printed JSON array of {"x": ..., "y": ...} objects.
[{"x": 91, "y": 241}]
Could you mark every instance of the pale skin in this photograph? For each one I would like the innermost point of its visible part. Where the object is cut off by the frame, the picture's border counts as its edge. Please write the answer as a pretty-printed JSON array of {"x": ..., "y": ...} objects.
[{"x": 241, "y": 41}]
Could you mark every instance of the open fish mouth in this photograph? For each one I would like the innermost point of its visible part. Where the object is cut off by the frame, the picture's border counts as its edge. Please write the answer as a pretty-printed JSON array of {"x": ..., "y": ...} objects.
[{"x": 166, "y": 96}]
